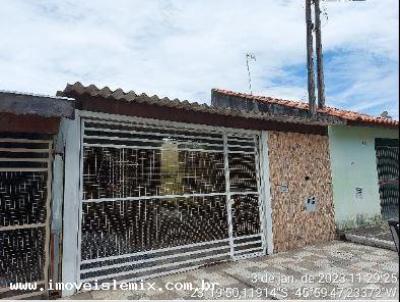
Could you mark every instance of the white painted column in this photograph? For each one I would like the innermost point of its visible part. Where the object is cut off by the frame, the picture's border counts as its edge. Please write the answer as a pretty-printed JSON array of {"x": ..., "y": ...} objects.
[
  {"x": 70, "y": 263},
  {"x": 228, "y": 195},
  {"x": 56, "y": 209},
  {"x": 266, "y": 191}
]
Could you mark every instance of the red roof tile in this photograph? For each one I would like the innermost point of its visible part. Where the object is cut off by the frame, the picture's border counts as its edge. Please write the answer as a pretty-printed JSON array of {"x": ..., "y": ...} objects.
[{"x": 349, "y": 116}]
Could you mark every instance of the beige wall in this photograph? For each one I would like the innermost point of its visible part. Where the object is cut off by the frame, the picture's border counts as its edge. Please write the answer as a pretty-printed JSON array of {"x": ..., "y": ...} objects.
[{"x": 300, "y": 168}]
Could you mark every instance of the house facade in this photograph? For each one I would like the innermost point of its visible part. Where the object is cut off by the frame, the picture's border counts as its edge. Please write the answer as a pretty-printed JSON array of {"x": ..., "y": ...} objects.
[
  {"x": 143, "y": 186},
  {"x": 167, "y": 185}
]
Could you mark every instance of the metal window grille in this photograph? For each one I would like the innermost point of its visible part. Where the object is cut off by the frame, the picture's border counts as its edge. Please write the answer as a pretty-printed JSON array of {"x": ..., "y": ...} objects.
[
  {"x": 388, "y": 174},
  {"x": 24, "y": 221},
  {"x": 163, "y": 199}
]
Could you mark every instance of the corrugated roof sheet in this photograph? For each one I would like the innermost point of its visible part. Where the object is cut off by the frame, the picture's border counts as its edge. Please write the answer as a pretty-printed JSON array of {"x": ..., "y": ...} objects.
[
  {"x": 349, "y": 116},
  {"x": 326, "y": 116},
  {"x": 78, "y": 90}
]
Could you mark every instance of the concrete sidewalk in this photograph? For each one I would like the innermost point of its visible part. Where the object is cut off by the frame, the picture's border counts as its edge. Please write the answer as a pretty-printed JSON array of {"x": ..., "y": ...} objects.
[{"x": 334, "y": 270}]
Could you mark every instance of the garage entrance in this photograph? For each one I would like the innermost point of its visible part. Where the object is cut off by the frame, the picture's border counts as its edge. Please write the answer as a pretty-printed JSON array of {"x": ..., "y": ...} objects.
[{"x": 166, "y": 197}]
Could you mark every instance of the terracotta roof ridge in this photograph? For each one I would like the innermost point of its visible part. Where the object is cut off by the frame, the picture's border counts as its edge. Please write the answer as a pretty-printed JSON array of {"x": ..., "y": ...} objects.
[
  {"x": 328, "y": 109},
  {"x": 227, "y": 91}
]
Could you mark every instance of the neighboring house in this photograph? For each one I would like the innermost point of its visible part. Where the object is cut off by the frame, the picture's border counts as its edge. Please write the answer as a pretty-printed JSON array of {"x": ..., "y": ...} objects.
[
  {"x": 365, "y": 172},
  {"x": 28, "y": 124}
]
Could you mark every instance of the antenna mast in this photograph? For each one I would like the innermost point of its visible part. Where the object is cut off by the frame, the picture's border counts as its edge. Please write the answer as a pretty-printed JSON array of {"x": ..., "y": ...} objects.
[{"x": 249, "y": 56}]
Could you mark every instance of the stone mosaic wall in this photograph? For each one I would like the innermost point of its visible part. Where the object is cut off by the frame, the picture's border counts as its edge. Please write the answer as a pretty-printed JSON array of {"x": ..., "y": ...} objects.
[{"x": 301, "y": 190}]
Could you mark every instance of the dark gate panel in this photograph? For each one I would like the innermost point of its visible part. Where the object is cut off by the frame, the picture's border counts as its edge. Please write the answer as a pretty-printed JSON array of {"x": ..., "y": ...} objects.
[
  {"x": 387, "y": 154},
  {"x": 166, "y": 198},
  {"x": 24, "y": 208}
]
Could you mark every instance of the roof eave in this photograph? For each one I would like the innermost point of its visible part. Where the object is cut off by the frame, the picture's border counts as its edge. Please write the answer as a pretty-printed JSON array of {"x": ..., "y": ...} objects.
[
  {"x": 80, "y": 92},
  {"x": 29, "y": 104}
]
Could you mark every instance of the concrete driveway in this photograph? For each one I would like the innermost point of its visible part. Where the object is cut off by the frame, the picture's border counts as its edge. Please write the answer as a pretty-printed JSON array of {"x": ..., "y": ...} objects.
[{"x": 333, "y": 270}]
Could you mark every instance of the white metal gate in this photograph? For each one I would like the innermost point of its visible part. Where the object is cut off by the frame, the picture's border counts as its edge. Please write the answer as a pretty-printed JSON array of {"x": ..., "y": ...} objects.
[
  {"x": 25, "y": 181},
  {"x": 160, "y": 198}
]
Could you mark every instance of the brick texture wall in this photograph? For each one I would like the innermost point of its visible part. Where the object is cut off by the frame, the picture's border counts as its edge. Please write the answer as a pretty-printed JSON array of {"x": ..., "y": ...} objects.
[{"x": 299, "y": 169}]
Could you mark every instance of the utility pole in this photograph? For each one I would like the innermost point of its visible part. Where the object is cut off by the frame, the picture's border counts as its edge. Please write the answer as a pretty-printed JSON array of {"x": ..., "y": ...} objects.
[
  {"x": 310, "y": 59},
  {"x": 320, "y": 67}
]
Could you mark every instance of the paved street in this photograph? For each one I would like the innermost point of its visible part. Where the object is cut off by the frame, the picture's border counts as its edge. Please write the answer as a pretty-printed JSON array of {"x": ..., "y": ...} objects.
[{"x": 334, "y": 270}]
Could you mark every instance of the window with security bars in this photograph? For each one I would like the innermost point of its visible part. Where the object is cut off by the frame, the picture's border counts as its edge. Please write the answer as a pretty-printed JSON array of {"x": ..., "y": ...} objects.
[{"x": 387, "y": 155}]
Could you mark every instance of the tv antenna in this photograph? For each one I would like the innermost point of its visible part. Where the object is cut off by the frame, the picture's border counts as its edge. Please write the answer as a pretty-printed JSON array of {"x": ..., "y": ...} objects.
[{"x": 249, "y": 56}]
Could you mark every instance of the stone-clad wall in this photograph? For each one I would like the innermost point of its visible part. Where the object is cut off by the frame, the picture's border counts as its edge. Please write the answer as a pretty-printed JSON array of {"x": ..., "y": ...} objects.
[{"x": 299, "y": 169}]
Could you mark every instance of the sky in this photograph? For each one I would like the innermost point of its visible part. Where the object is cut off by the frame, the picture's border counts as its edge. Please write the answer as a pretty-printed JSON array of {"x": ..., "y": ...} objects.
[{"x": 182, "y": 49}]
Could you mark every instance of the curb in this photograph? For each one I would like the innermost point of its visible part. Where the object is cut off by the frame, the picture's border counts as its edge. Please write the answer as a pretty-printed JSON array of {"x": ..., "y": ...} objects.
[{"x": 384, "y": 244}]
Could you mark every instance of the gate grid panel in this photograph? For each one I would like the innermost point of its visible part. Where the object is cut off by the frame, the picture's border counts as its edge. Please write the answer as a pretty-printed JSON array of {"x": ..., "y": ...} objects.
[
  {"x": 24, "y": 209},
  {"x": 388, "y": 174},
  {"x": 163, "y": 199}
]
